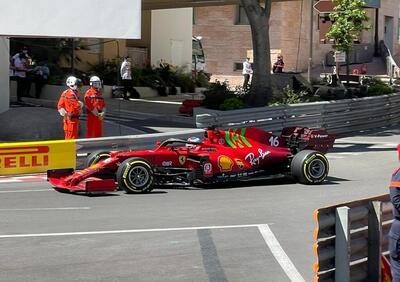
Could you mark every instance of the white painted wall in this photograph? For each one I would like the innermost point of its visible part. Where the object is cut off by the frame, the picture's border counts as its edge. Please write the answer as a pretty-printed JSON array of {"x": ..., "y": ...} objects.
[
  {"x": 171, "y": 37},
  {"x": 4, "y": 74}
]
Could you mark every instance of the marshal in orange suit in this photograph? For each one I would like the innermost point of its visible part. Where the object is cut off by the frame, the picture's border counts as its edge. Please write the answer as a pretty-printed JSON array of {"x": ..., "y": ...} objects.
[
  {"x": 95, "y": 107},
  {"x": 70, "y": 108}
]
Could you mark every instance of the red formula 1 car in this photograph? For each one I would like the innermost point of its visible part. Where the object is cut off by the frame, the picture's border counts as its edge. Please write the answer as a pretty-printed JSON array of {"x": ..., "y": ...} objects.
[{"x": 230, "y": 155}]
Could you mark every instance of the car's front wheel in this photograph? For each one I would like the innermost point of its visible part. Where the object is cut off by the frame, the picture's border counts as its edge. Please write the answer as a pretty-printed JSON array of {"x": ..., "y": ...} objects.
[
  {"x": 96, "y": 157},
  {"x": 310, "y": 167},
  {"x": 135, "y": 175}
]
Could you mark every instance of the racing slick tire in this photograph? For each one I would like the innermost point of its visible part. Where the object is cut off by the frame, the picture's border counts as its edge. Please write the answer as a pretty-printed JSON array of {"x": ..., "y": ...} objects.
[
  {"x": 135, "y": 175},
  {"x": 95, "y": 157},
  {"x": 309, "y": 167}
]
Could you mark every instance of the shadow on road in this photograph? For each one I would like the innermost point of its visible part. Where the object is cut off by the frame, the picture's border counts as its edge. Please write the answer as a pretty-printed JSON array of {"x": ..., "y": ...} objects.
[{"x": 360, "y": 148}]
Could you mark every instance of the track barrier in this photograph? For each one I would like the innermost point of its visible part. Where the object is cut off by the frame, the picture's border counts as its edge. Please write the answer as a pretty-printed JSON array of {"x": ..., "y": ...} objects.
[
  {"x": 34, "y": 157},
  {"x": 340, "y": 117},
  {"x": 350, "y": 239}
]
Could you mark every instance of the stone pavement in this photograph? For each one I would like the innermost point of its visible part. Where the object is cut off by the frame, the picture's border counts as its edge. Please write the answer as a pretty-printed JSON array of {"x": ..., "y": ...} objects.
[{"x": 38, "y": 119}]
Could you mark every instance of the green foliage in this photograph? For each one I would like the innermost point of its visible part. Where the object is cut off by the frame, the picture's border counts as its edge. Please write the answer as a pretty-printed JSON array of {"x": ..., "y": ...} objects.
[
  {"x": 203, "y": 79},
  {"x": 106, "y": 70},
  {"x": 165, "y": 75},
  {"x": 216, "y": 94},
  {"x": 349, "y": 19},
  {"x": 219, "y": 96},
  {"x": 378, "y": 87},
  {"x": 232, "y": 104},
  {"x": 289, "y": 96}
]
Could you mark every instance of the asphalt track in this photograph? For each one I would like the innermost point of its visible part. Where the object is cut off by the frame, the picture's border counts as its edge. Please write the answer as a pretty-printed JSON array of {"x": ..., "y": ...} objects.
[{"x": 252, "y": 231}]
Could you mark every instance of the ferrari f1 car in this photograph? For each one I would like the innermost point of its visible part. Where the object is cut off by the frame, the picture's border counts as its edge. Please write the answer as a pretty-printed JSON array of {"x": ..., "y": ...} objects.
[{"x": 222, "y": 156}]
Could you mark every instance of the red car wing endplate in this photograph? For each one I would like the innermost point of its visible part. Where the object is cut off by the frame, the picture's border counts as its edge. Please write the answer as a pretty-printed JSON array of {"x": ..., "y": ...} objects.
[{"x": 57, "y": 179}]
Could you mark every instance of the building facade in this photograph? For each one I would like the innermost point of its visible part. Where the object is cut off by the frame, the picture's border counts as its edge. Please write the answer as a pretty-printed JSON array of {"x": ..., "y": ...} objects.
[{"x": 227, "y": 36}]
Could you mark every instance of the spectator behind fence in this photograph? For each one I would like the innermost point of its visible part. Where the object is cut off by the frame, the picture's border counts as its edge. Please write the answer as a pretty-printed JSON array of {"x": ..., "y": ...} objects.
[
  {"x": 247, "y": 70},
  {"x": 20, "y": 64},
  {"x": 278, "y": 65},
  {"x": 126, "y": 75},
  {"x": 40, "y": 76}
]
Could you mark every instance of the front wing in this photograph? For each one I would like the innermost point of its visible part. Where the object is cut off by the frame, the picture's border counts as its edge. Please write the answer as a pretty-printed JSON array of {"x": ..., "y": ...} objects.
[{"x": 61, "y": 181}]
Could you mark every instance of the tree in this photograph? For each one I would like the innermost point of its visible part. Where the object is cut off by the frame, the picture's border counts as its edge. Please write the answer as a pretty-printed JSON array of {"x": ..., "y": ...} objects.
[
  {"x": 260, "y": 91},
  {"x": 349, "y": 19}
]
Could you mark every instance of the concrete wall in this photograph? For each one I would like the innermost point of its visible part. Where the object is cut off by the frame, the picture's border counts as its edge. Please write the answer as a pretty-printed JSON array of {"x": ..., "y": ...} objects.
[
  {"x": 4, "y": 74},
  {"x": 171, "y": 36},
  {"x": 53, "y": 92},
  {"x": 224, "y": 43}
]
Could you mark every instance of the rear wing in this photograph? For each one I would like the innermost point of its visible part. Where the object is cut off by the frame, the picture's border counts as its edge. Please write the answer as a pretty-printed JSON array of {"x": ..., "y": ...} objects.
[{"x": 301, "y": 138}]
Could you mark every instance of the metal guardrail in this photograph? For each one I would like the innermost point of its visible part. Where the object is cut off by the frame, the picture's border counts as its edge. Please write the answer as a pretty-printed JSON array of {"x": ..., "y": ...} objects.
[
  {"x": 340, "y": 117},
  {"x": 350, "y": 239}
]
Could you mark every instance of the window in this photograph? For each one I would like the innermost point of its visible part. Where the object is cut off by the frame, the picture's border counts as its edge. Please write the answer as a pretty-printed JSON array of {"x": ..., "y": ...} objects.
[
  {"x": 93, "y": 45},
  {"x": 197, "y": 51},
  {"x": 237, "y": 66},
  {"x": 241, "y": 17}
]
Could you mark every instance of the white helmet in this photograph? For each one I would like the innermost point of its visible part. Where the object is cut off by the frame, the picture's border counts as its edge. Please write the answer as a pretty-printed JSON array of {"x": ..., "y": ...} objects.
[
  {"x": 72, "y": 82},
  {"x": 95, "y": 82}
]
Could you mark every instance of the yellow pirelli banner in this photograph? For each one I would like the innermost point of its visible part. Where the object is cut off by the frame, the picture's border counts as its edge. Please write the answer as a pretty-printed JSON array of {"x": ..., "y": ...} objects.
[{"x": 33, "y": 157}]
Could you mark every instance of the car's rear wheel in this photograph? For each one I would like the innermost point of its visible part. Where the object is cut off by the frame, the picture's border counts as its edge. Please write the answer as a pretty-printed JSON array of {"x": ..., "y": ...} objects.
[
  {"x": 96, "y": 157},
  {"x": 310, "y": 167},
  {"x": 135, "y": 175}
]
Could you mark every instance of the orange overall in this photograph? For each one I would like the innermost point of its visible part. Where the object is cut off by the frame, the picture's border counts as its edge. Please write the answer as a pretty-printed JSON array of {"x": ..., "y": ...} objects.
[
  {"x": 94, "y": 105},
  {"x": 70, "y": 103}
]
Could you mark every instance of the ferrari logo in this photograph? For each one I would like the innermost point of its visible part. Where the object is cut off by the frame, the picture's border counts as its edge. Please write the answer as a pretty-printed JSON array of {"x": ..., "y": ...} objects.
[
  {"x": 182, "y": 160},
  {"x": 239, "y": 163}
]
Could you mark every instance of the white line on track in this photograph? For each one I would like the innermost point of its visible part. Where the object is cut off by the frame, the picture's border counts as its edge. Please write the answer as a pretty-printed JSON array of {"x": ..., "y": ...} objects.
[
  {"x": 270, "y": 239},
  {"x": 349, "y": 141},
  {"x": 11, "y": 180},
  {"x": 27, "y": 191},
  {"x": 125, "y": 231},
  {"x": 47, "y": 209},
  {"x": 280, "y": 254}
]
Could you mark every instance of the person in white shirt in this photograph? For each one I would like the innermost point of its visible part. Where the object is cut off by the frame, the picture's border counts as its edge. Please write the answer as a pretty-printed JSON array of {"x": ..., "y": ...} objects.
[
  {"x": 126, "y": 75},
  {"x": 20, "y": 69},
  {"x": 247, "y": 70}
]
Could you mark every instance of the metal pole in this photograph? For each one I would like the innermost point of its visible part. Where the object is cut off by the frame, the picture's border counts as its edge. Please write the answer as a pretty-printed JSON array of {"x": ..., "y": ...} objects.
[
  {"x": 374, "y": 241},
  {"x": 342, "y": 245},
  {"x": 195, "y": 67},
  {"x": 118, "y": 61},
  {"x": 310, "y": 55},
  {"x": 376, "y": 32},
  {"x": 72, "y": 56}
]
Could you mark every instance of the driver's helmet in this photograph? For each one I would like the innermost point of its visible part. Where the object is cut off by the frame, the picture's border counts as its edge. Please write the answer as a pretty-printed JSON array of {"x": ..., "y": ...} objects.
[{"x": 193, "y": 139}]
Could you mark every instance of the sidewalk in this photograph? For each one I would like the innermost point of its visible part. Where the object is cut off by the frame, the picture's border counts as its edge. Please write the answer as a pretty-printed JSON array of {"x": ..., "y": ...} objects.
[
  {"x": 38, "y": 119},
  {"x": 376, "y": 67}
]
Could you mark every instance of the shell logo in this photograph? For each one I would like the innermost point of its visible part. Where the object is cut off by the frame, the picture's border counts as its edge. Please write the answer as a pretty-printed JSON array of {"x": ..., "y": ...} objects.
[{"x": 225, "y": 163}]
